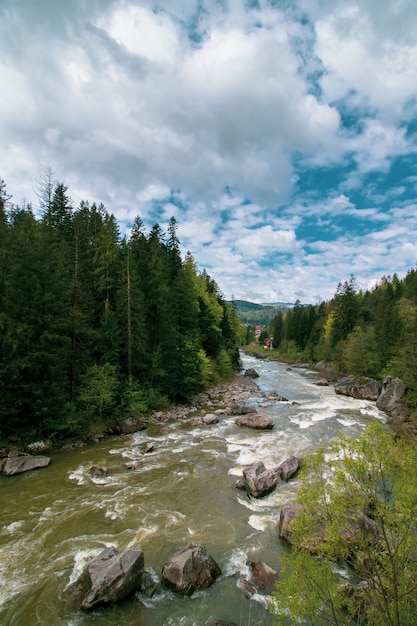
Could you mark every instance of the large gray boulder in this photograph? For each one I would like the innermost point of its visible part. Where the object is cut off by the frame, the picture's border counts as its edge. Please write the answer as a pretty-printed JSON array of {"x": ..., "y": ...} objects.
[
  {"x": 109, "y": 578},
  {"x": 255, "y": 420},
  {"x": 189, "y": 569},
  {"x": 259, "y": 480},
  {"x": 16, "y": 463},
  {"x": 359, "y": 387},
  {"x": 391, "y": 395}
]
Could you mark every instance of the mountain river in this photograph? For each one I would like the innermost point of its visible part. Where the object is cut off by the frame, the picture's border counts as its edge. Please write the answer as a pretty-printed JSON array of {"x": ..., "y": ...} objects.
[{"x": 53, "y": 520}]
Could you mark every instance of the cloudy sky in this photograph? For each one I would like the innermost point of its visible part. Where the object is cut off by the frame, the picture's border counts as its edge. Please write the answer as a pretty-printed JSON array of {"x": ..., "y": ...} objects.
[{"x": 281, "y": 134}]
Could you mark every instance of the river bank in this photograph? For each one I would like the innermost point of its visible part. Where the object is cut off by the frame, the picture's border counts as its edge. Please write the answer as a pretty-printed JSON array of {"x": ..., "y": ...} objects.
[{"x": 220, "y": 397}]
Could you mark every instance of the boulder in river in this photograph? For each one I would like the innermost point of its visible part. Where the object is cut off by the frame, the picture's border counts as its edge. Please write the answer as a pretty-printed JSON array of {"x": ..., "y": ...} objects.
[
  {"x": 210, "y": 418},
  {"x": 99, "y": 471},
  {"x": 189, "y": 569},
  {"x": 262, "y": 576},
  {"x": 260, "y": 480},
  {"x": 289, "y": 467},
  {"x": 147, "y": 447},
  {"x": 252, "y": 373},
  {"x": 255, "y": 420},
  {"x": 16, "y": 463},
  {"x": 109, "y": 578}
]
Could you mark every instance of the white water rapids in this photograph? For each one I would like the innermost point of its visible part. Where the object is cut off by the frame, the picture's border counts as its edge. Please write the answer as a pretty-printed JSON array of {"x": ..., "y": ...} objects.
[{"x": 53, "y": 520}]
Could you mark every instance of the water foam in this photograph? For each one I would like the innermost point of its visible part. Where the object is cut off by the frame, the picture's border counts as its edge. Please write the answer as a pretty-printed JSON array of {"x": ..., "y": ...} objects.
[{"x": 13, "y": 528}]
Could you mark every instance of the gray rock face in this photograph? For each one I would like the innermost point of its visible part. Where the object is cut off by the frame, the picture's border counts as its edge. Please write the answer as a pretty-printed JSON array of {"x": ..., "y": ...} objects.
[
  {"x": 359, "y": 387},
  {"x": 189, "y": 569},
  {"x": 23, "y": 463},
  {"x": 392, "y": 392},
  {"x": 109, "y": 578},
  {"x": 255, "y": 420},
  {"x": 260, "y": 480}
]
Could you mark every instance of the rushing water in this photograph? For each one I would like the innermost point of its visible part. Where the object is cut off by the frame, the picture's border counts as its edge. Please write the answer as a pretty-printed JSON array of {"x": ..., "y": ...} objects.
[{"x": 54, "y": 520}]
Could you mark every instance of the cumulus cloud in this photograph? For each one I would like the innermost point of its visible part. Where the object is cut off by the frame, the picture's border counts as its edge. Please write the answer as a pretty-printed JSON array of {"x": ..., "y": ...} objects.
[{"x": 261, "y": 128}]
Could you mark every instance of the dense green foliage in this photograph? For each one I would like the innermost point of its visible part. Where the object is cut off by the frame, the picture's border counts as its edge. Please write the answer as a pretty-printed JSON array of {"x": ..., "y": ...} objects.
[
  {"x": 371, "y": 333},
  {"x": 354, "y": 538},
  {"x": 95, "y": 327},
  {"x": 256, "y": 314}
]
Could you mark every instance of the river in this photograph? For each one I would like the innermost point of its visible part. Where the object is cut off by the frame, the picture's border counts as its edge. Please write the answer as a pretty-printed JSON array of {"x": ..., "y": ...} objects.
[{"x": 53, "y": 520}]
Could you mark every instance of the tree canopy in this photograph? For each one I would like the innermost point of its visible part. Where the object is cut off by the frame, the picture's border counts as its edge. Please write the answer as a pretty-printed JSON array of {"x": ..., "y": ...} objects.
[
  {"x": 96, "y": 326},
  {"x": 354, "y": 536},
  {"x": 371, "y": 333}
]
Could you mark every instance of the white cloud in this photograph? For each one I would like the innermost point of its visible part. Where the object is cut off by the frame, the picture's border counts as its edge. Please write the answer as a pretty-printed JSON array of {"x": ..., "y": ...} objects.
[
  {"x": 264, "y": 240},
  {"x": 143, "y": 32},
  {"x": 157, "y": 111},
  {"x": 362, "y": 50}
]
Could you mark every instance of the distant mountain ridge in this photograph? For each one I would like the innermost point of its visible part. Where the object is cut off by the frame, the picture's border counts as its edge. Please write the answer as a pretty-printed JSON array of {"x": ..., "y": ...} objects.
[
  {"x": 258, "y": 314},
  {"x": 279, "y": 305},
  {"x": 245, "y": 305}
]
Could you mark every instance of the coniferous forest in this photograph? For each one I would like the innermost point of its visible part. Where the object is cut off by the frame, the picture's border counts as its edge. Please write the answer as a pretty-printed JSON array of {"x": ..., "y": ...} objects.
[
  {"x": 96, "y": 327},
  {"x": 366, "y": 333}
]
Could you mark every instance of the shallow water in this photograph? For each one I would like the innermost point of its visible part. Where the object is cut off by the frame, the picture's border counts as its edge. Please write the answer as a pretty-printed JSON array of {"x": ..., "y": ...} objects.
[{"x": 53, "y": 520}]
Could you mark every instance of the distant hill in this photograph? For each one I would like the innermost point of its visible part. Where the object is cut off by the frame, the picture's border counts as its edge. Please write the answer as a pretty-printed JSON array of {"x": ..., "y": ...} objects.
[
  {"x": 255, "y": 314},
  {"x": 244, "y": 305},
  {"x": 279, "y": 305}
]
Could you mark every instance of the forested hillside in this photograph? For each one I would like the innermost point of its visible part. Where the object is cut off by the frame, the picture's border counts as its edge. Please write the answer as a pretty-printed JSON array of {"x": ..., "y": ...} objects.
[
  {"x": 371, "y": 333},
  {"x": 95, "y": 327},
  {"x": 254, "y": 314}
]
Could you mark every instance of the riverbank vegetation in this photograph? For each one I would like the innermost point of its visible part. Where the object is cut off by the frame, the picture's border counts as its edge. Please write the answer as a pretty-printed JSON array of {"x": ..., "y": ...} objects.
[
  {"x": 367, "y": 333},
  {"x": 96, "y": 327},
  {"x": 353, "y": 535}
]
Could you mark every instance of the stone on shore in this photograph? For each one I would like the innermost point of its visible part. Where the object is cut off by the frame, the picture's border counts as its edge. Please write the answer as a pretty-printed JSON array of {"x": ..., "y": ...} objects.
[
  {"x": 39, "y": 447},
  {"x": 359, "y": 387},
  {"x": 16, "y": 463},
  {"x": 391, "y": 395},
  {"x": 210, "y": 418}
]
